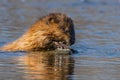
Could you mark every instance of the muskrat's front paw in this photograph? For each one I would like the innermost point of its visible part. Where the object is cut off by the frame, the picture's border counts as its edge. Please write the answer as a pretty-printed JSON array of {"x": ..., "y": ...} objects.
[{"x": 61, "y": 45}]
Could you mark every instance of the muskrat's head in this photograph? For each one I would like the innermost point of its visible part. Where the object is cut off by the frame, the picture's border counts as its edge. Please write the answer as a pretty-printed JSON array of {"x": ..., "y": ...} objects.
[{"x": 60, "y": 29}]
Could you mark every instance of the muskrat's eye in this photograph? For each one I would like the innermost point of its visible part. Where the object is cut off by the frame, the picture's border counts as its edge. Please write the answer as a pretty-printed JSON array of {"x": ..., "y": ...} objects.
[{"x": 65, "y": 30}]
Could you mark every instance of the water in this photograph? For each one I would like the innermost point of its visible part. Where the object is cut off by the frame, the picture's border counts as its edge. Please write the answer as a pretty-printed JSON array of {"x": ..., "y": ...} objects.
[{"x": 97, "y": 41}]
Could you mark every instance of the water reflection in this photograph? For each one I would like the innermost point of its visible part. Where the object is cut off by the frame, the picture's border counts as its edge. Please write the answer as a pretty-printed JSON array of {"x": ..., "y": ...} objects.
[
  {"x": 97, "y": 25},
  {"x": 47, "y": 65}
]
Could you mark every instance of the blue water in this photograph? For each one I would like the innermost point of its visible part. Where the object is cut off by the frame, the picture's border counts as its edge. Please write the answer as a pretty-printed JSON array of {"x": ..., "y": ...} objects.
[{"x": 97, "y": 46}]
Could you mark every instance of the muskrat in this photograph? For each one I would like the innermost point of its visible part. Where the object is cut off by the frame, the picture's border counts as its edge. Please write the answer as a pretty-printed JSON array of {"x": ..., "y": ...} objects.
[{"x": 54, "y": 31}]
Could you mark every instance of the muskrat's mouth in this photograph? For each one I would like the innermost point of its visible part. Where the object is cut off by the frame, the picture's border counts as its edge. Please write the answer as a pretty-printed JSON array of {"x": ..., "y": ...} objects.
[{"x": 61, "y": 45}]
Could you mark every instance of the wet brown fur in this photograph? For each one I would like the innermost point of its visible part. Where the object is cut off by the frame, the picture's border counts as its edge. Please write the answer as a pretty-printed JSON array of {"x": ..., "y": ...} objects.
[{"x": 42, "y": 35}]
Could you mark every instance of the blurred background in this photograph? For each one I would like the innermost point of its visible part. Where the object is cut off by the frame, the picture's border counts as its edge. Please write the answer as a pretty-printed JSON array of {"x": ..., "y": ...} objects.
[{"x": 97, "y": 29}]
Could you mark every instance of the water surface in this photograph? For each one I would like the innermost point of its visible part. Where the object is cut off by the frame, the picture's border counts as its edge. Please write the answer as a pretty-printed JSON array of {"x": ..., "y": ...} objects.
[{"x": 97, "y": 30}]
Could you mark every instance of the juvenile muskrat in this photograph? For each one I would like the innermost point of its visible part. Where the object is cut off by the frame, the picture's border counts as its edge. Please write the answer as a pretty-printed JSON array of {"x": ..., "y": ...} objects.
[{"x": 50, "y": 32}]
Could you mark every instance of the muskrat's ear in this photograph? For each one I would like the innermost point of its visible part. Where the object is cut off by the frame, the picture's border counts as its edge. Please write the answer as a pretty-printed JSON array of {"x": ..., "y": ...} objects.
[{"x": 53, "y": 20}]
